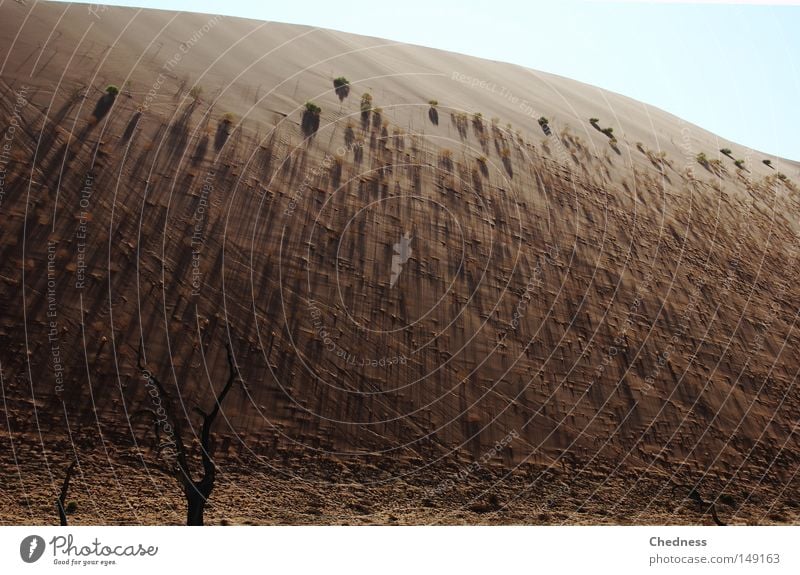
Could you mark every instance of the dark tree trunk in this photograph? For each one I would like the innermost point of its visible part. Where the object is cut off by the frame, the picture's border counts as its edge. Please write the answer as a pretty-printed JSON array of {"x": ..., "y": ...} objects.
[
  {"x": 195, "y": 492},
  {"x": 196, "y": 504},
  {"x": 694, "y": 495},
  {"x": 195, "y": 509},
  {"x": 715, "y": 517},
  {"x": 62, "y": 498}
]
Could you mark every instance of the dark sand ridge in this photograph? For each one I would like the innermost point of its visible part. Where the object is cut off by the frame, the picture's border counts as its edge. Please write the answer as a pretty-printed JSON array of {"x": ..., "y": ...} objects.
[{"x": 619, "y": 321}]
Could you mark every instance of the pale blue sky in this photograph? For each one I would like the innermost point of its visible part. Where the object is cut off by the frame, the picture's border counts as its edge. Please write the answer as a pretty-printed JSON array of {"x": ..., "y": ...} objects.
[{"x": 731, "y": 69}]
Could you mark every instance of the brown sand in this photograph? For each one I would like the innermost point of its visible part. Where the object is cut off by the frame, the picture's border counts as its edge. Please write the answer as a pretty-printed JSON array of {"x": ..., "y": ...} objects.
[{"x": 581, "y": 334}]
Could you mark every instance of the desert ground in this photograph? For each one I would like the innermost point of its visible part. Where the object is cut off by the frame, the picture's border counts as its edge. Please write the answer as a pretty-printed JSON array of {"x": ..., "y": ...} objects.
[{"x": 419, "y": 287}]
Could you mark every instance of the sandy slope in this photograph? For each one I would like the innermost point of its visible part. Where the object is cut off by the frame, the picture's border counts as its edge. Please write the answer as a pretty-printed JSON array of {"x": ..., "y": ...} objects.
[{"x": 599, "y": 324}]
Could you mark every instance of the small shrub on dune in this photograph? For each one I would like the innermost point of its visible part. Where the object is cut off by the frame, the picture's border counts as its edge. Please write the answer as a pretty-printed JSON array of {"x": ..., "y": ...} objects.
[
  {"x": 726, "y": 152},
  {"x": 341, "y": 86},
  {"x": 767, "y": 163},
  {"x": 702, "y": 160},
  {"x": 545, "y": 125},
  {"x": 366, "y": 103},
  {"x": 105, "y": 103},
  {"x": 595, "y": 122},
  {"x": 739, "y": 164},
  {"x": 366, "y": 108},
  {"x": 311, "y": 115},
  {"x": 196, "y": 92},
  {"x": 787, "y": 182}
]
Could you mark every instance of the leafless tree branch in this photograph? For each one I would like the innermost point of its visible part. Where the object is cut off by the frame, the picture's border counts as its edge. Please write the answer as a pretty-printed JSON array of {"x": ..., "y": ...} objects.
[{"x": 62, "y": 498}]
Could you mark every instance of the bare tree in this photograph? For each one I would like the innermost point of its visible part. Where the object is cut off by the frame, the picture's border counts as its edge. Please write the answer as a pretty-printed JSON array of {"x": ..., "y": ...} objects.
[
  {"x": 705, "y": 506},
  {"x": 62, "y": 498},
  {"x": 198, "y": 491}
]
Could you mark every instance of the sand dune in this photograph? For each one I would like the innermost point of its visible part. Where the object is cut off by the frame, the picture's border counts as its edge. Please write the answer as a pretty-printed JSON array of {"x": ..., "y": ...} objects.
[{"x": 445, "y": 313}]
